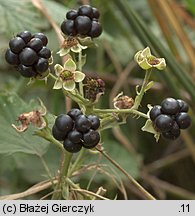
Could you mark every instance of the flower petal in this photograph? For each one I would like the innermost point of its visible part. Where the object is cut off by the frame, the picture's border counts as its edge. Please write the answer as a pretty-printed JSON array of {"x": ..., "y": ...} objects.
[
  {"x": 162, "y": 64},
  {"x": 146, "y": 52},
  {"x": 144, "y": 64},
  {"x": 79, "y": 76},
  {"x": 137, "y": 56},
  {"x": 63, "y": 52},
  {"x": 69, "y": 85},
  {"x": 58, "y": 69},
  {"x": 58, "y": 84},
  {"x": 76, "y": 49},
  {"x": 70, "y": 65}
]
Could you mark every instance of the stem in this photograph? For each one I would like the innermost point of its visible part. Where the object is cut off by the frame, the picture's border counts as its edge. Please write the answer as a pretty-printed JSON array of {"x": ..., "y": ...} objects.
[
  {"x": 80, "y": 69},
  {"x": 132, "y": 180},
  {"x": 46, "y": 134},
  {"x": 130, "y": 111},
  {"x": 62, "y": 176},
  {"x": 140, "y": 95},
  {"x": 77, "y": 161}
]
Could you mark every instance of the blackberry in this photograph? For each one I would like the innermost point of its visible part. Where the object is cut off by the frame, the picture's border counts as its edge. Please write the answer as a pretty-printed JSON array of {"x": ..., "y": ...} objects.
[
  {"x": 57, "y": 134},
  {"x": 72, "y": 14},
  {"x": 183, "y": 120},
  {"x": 25, "y": 35},
  {"x": 35, "y": 44},
  {"x": 86, "y": 10},
  {"x": 28, "y": 56},
  {"x": 74, "y": 113},
  {"x": 82, "y": 123},
  {"x": 44, "y": 53},
  {"x": 72, "y": 147},
  {"x": 75, "y": 136},
  {"x": 64, "y": 123},
  {"x": 26, "y": 71},
  {"x": 42, "y": 37},
  {"x": 96, "y": 29},
  {"x": 170, "y": 106},
  {"x": 163, "y": 123},
  {"x": 42, "y": 65},
  {"x": 155, "y": 112},
  {"x": 17, "y": 44},
  {"x": 68, "y": 27},
  {"x": 91, "y": 139},
  {"x": 95, "y": 122},
  {"x": 11, "y": 57},
  {"x": 96, "y": 13},
  {"x": 183, "y": 106},
  {"x": 83, "y": 24}
]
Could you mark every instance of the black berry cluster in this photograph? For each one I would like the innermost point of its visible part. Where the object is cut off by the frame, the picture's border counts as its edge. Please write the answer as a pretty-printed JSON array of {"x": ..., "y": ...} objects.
[
  {"x": 83, "y": 21},
  {"x": 169, "y": 117},
  {"x": 29, "y": 53},
  {"x": 76, "y": 130}
]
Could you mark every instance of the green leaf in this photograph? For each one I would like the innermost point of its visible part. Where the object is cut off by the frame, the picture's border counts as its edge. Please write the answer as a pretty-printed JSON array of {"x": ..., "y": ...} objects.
[{"x": 11, "y": 106}]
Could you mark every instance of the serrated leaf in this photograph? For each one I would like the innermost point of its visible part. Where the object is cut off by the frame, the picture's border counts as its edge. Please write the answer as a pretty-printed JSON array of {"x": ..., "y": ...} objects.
[
  {"x": 11, "y": 106},
  {"x": 148, "y": 127}
]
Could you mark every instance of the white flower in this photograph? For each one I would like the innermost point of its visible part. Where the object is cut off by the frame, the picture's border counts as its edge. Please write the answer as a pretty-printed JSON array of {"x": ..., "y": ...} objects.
[
  {"x": 146, "y": 60},
  {"x": 67, "y": 76}
]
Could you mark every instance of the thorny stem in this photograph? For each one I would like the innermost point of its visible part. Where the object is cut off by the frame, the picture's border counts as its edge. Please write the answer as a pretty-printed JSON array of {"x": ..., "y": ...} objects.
[
  {"x": 140, "y": 94},
  {"x": 132, "y": 180}
]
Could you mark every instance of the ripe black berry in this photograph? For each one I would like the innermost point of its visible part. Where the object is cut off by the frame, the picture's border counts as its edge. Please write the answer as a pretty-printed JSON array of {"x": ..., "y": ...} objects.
[
  {"x": 68, "y": 27},
  {"x": 170, "y": 106},
  {"x": 94, "y": 121},
  {"x": 42, "y": 37},
  {"x": 91, "y": 139},
  {"x": 163, "y": 123},
  {"x": 170, "y": 135},
  {"x": 74, "y": 113},
  {"x": 96, "y": 29},
  {"x": 25, "y": 35},
  {"x": 57, "y": 134},
  {"x": 183, "y": 106},
  {"x": 96, "y": 13},
  {"x": 82, "y": 123},
  {"x": 17, "y": 44},
  {"x": 72, "y": 147},
  {"x": 64, "y": 123},
  {"x": 75, "y": 136},
  {"x": 173, "y": 134},
  {"x": 11, "y": 57},
  {"x": 85, "y": 10},
  {"x": 36, "y": 44},
  {"x": 183, "y": 120},
  {"x": 26, "y": 71},
  {"x": 44, "y": 53},
  {"x": 83, "y": 24},
  {"x": 28, "y": 56},
  {"x": 154, "y": 112},
  {"x": 42, "y": 65},
  {"x": 72, "y": 14}
]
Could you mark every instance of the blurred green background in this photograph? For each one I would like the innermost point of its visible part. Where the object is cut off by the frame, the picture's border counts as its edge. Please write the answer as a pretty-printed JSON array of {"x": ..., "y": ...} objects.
[{"x": 166, "y": 169}]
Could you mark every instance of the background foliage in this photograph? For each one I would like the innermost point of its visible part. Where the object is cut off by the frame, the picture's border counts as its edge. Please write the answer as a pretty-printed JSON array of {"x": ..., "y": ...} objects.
[{"x": 166, "y": 168}]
